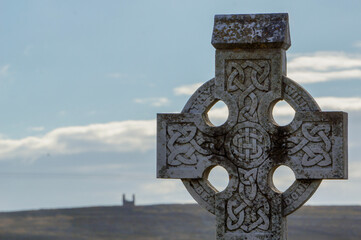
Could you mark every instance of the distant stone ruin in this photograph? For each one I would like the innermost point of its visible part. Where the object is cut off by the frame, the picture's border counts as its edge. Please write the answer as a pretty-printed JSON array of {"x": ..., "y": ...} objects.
[{"x": 127, "y": 203}]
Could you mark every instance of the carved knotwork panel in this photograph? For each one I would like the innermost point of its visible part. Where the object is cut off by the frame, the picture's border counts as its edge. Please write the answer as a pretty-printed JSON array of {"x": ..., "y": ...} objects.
[
  {"x": 312, "y": 144},
  {"x": 248, "y": 80},
  {"x": 249, "y": 209},
  {"x": 247, "y": 144},
  {"x": 186, "y": 145}
]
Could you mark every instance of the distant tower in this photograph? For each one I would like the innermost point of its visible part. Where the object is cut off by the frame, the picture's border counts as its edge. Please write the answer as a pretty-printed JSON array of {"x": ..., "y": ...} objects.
[{"x": 127, "y": 203}]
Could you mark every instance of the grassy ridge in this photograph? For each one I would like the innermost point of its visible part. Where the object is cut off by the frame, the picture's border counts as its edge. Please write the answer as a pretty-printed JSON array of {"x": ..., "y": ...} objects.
[{"x": 165, "y": 222}]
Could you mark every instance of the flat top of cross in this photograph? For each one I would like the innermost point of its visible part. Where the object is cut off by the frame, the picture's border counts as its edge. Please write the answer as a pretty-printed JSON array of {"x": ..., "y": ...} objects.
[{"x": 251, "y": 31}]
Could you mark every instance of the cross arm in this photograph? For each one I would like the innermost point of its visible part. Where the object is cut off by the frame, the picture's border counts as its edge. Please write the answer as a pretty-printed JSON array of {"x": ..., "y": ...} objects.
[
  {"x": 318, "y": 148},
  {"x": 183, "y": 151}
]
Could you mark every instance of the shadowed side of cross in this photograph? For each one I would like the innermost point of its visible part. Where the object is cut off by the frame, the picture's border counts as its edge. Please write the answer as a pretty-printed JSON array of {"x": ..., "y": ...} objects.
[{"x": 250, "y": 79}]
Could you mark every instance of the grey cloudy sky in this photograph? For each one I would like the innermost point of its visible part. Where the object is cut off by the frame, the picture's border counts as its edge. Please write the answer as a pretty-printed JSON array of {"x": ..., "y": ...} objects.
[{"x": 81, "y": 83}]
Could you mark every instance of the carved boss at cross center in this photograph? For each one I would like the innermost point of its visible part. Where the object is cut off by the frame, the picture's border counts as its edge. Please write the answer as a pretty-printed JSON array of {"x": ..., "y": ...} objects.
[{"x": 250, "y": 79}]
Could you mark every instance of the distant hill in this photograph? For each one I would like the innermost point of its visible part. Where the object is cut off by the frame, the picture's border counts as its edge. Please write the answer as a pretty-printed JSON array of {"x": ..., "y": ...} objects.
[{"x": 166, "y": 222}]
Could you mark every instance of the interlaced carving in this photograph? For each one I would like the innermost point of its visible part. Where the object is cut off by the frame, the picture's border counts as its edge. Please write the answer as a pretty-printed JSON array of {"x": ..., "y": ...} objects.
[
  {"x": 214, "y": 144},
  {"x": 248, "y": 144},
  {"x": 248, "y": 76},
  {"x": 249, "y": 109},
  {"x": 235, "y": 212},
  {"x": 248, "y": 185},
  {"x": 249, "y": 209},
  {"x": 237, "y": 77},
  {"x": 315, "y": 144},
  {"x": 183, "y": 146}
]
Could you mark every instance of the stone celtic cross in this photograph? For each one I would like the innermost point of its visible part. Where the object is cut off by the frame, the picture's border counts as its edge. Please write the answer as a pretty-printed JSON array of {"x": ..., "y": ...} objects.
[{"x": 251, "y": 78}]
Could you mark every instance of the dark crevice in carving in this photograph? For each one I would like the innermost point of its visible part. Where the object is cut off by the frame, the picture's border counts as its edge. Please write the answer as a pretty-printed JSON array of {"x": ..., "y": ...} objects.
[{"x": 279, "y": 145}]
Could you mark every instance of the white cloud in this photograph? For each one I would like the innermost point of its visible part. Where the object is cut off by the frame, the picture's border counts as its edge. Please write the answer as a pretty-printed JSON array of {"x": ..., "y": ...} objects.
[
  {"x": 323, "y": 61},
  {"x": 324, "y": 66},
  {"x": 126, "y": 136},
  {"x": 186, "y": 89},
  {"x": 314, "y": 76},
  {"x": 156, "y": 102},
  {"x": 340, "y": 103}
]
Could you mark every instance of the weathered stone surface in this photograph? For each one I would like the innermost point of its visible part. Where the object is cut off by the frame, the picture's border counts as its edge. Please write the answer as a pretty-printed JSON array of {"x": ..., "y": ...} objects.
[
  {"x": 250, "y": 145},
  {"x": 251, "y": 31}
]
